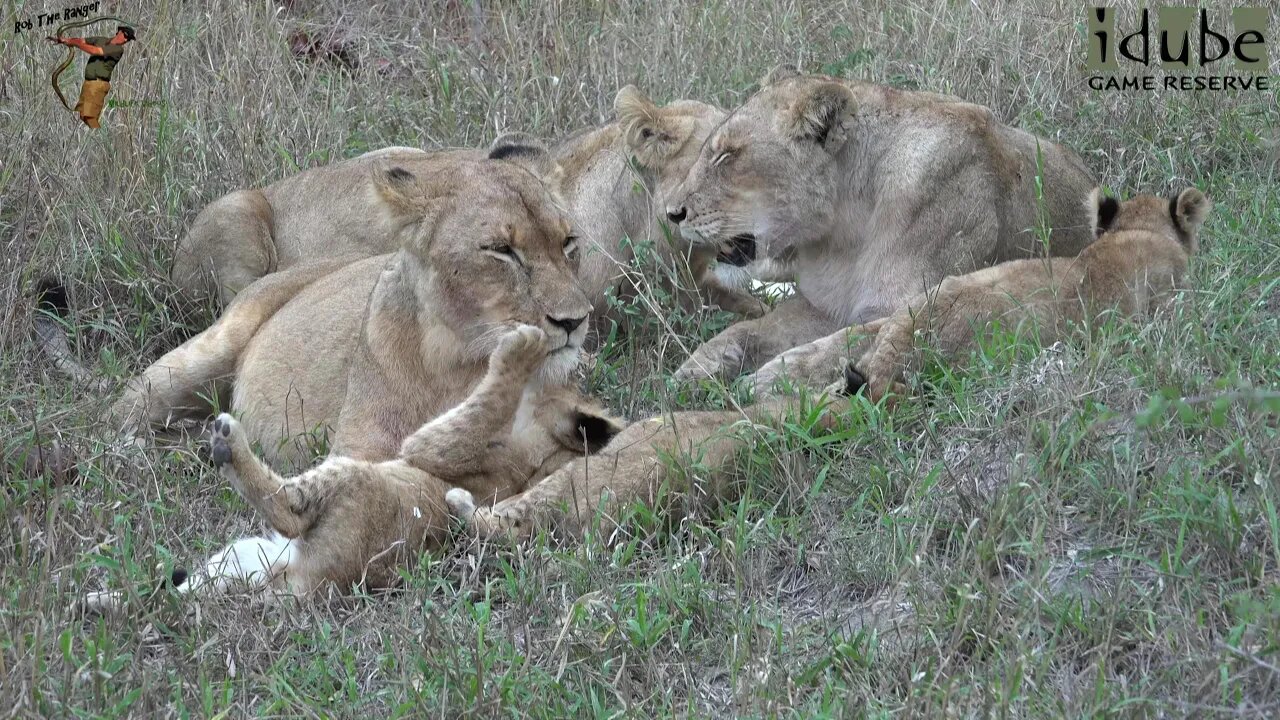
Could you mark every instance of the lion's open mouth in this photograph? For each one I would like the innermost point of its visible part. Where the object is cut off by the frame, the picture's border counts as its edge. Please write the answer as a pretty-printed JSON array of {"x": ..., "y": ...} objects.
[{"x": 739, "y": 250}]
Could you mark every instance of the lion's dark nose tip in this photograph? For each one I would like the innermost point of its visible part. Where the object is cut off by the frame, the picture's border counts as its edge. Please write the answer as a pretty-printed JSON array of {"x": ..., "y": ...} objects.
[
  {"x": 567, "y": 324},
  {"x": 677, "y": 215}
]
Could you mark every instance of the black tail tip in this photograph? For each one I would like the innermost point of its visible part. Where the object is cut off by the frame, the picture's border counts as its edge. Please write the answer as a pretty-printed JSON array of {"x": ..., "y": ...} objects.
[
  {"x": 51, "y": 296},
  {"x": 854, "y": 380},
  {"x": 178, "y": 578}
]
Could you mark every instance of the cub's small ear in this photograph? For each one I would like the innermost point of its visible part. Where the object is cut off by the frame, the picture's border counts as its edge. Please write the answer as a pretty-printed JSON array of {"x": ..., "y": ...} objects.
[
  {"x": 1189, "y": 209},
  {"x": 854, "y": 380},
  {"x": 597, "y": 427},
  {"x": 778, "y": 73},
  {"x": 525, "y": 150},
  {"x": 820, "y": 115},
  {"x": 649, "y": 136},
  {"x": 630, "y": 103},
  {"x": 1103, "y": 211}
]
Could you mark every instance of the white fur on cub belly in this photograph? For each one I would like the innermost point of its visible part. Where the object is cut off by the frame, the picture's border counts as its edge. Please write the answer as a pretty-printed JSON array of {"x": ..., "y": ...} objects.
[{"x": 252, "y": 561}]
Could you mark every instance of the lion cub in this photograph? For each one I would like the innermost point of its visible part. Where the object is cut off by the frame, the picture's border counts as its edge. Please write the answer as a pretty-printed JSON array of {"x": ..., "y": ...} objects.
[
  {"x": 1139, "y": 258},
  {"x": 352, "y": 522}
]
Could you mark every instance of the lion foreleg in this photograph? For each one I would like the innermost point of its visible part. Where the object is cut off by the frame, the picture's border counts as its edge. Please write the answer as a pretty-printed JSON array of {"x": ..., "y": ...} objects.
[
  {"x": 466, "y": 440},
  {"x": 229, "y": 246},
  {"x": 816, "y": 363},
  {"x": 745, "y": 345}
]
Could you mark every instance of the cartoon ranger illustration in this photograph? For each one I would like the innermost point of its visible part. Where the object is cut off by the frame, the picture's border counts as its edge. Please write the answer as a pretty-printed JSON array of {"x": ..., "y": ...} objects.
[{"x": 104, "y": 53}]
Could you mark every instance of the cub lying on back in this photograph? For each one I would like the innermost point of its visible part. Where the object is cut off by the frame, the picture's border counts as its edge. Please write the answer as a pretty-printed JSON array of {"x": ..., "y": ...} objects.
[
  {"x": 351, "y": 521},
  {"x": 1139, "y": 259}
]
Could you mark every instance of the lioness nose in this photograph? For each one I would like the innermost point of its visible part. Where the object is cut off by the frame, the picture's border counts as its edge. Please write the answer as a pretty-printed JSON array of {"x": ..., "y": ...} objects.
[
  {"x": 677, "y": 215},
  {"x": 567, "y": 324}
]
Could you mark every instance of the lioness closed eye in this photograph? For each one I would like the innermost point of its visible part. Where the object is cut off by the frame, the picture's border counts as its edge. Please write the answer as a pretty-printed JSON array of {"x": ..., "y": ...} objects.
[{"x": 1139, "y": 259}]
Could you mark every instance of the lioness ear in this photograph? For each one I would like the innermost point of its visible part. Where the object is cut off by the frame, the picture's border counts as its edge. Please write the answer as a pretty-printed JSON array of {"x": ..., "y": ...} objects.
[
  {"x": 820, "y": 115},
  {"x": 524, "y": 150},
  {"x": 778, "y": 73},
  {"x": 1102, "y": 211},
  {"x": 1189, "y": 209},
  {"x": 408, "y": 198},
  {"x": 394, "y": 187},
  {"x": 648, "y": 136}
]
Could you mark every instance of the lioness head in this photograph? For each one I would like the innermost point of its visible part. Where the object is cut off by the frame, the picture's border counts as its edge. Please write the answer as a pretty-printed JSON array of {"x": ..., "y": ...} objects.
[
  {"x": 490, "y": 247},
  {"x": 1178, "y": 217},
  {"x": 664, "y": 140},
  {"x": 769, "y": 174}
]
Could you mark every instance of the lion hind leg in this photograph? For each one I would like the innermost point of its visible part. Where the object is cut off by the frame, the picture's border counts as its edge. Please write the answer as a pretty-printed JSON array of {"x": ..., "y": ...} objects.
[
  {"x": 174, "y": 383},
  {"x": 230, "y": 244},
  {"x": 250, "y": 563}
]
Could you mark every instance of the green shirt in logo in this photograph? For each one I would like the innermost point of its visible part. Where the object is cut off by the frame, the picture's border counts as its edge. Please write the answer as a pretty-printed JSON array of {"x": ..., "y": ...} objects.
[{"x": 99, "y": 67}]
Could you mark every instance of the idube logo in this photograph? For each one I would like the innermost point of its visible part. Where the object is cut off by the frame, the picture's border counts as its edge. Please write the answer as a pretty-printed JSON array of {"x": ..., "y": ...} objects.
[{"x": 1230, "y": 47}]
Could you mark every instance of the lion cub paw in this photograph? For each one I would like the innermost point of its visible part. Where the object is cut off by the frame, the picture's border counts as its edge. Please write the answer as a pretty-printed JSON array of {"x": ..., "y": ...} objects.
[
  {"x": 462, "y": 504},
  {"x": 220, "y": 439},
  {"x": 520, "y": 351},
  {"x": 228, "y": 447},
  {"x": 813, "y": 365},
  {"x": 481, "y": 522}
]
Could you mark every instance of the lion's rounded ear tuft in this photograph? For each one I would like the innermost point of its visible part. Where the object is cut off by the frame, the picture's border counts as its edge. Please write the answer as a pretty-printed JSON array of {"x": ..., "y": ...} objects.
[
  {"x": 820, "y": 114},
  {"x": 648, "y": 134},
  {"x": 408, "y": 198},
  {"x": 596, "y": 428},
  {"x": 778, "y": 73},
  {"x": 1102, "y": 211},
  {"x": 1190, "y": 209},
  {"x": 394, "y": 187},
  {"x": 630, "y": 104}
]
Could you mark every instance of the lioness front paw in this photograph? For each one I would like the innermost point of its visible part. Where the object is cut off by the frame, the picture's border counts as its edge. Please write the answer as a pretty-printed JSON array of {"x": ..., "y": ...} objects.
[
  {"x": 741, "y": 302},
  {"x": 815, "y": 364},
  {"x": 712, "y": 360}
]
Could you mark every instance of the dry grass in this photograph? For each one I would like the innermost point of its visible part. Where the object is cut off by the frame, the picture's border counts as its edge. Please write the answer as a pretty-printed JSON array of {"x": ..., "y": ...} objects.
[{"x": 1051, "y": 533}]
